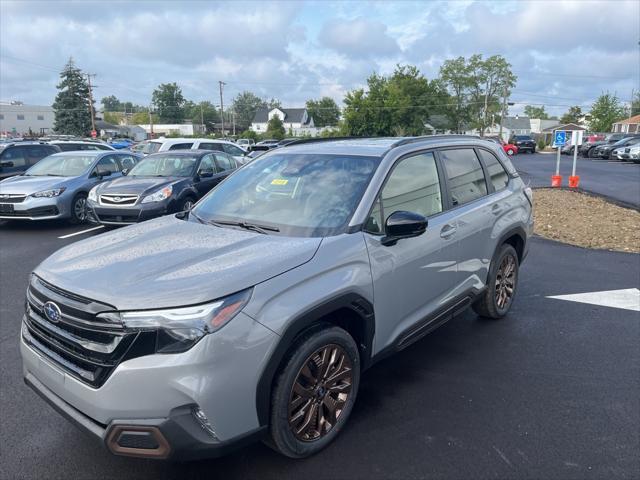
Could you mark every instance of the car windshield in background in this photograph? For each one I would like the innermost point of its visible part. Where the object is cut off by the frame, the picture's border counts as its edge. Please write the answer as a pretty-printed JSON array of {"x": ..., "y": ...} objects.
[
  {"x": 523, "y": 137},
  {"x": 150, "y": 147},
  {"x": 61, "y": 166},
  {"x": 165, "y": 166},
  {"x": 304, "y": 195}
]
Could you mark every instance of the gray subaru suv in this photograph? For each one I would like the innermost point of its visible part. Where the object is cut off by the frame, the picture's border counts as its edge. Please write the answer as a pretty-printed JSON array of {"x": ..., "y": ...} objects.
[{"x": 254, "y": 315}]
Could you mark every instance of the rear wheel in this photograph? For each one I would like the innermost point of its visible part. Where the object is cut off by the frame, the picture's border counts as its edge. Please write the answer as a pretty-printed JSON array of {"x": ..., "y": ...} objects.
[
  {"x": 79, "y": 209},
  {"x": 591, "y": 153},
  {"x": 314, "y": 392},
  {"x": 496, "y": 301}
]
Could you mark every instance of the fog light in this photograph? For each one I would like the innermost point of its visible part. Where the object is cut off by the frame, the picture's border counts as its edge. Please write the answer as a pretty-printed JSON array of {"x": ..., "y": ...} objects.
[{"x": 204, "y": 422}]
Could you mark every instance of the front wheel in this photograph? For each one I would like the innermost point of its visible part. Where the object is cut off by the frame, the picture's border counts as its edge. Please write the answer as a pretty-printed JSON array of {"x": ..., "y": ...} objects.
[
  {"x": 314, "y": 392},
  {"x": 79, "y": 209},
  {"x": 186, "y": 204},
  {"x": 502, "y": 283}
]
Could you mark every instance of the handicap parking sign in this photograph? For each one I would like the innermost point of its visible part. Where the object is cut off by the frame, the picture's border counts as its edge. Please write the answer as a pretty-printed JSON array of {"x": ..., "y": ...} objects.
[{"x": 560, "y": 138}]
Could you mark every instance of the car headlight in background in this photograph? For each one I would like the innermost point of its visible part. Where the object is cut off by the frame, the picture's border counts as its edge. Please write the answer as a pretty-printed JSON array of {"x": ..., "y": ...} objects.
[
  {"x": 49, "y": 193},
  {"x": 93, "y": 194},
  {"x": 178, "y": 329},
  {"x": 159, "y": 195}
]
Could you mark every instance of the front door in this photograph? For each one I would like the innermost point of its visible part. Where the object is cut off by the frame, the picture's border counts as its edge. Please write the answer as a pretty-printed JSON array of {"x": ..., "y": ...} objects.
[
  {"x": 207, "y": 177},
  {"x": 414, "y": 277}
]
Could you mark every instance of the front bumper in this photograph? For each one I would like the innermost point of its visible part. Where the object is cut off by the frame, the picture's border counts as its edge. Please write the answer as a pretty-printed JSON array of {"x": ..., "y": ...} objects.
[
  {"x": 32, "y": 208},
  {"x": 126, "y": 215},
  {"x": 157, "y": 393}
]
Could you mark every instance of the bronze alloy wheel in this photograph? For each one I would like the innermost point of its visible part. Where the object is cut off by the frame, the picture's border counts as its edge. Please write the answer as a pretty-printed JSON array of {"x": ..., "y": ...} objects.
[
  {"x": 505, "y": 282},
  {"x": 320, "y": 392}
]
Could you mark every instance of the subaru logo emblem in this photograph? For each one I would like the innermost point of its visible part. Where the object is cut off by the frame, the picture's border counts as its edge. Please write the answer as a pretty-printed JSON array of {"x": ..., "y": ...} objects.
[
  {"x": 52, "y": 312},
  {"x": 116, "y": 199}
]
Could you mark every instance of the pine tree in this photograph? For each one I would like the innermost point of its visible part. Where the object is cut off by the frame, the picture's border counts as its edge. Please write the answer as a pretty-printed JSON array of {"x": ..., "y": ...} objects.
[{"x": 71, "y": 107}]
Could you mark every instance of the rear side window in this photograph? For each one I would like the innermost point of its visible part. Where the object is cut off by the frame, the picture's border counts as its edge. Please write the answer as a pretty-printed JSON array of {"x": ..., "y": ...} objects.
[
  {"x": 465, "y": 175},
  {"x": 181, "y": 146},
  {"x": 67, "y": 147},
  {"x": 127, "y": 161},
  {"x": 232, "y": 149},
  {"x": 15, "y": 155},
  {"x": 413, "y": 186},
  {"x": 497, "y": 174},
  {"x": 224, "y": 162},
  {"x": 210, "y": 146}
]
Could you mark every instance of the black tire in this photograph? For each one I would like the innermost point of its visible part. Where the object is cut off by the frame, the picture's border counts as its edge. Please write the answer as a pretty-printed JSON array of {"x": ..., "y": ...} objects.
[
  {"x": 591, "y": 153},
  {"x": 488, "y": 305},
  {"x": 533, "y": 150},
  {"x": 185, "y": 204},
  {"x": 298, "y": 371},
  {"x": 78, "y": 209}
]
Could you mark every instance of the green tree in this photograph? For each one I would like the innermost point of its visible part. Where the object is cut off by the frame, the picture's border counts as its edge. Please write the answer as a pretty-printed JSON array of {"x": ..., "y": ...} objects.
[
  {"x": 249, "y": 134},
  {"x": 113, "y": 118},
  {"x": 111, "y": 104},
  {"x": 71, "y": 106},
  {"x": 275, "y": 128},
  {"x": 325, "y": 112},
  {"x": 455, "y": 76},
  {"x": 274, "y": 103},
  {"x": 532, "y": 111},
  {"x": 604, "y": 112},
  {"x": 573, "y": 115},
  {"x": 204, "y": 112},
  {"x": 142, "y": 118},
  {"x": 635, "y": 104},
  {"x": 169, "y": 103},
  {"x": 245, "y": 105}
]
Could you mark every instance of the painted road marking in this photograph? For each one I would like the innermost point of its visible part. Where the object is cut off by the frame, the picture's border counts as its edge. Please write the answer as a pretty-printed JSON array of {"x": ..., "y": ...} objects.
[
  {"x": 628, "y": 299},
  {"x": 81, "y": 232}
]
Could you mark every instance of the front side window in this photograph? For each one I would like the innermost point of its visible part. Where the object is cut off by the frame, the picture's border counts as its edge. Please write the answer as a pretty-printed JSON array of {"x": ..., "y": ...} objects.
[
  {"x": 62, "y": 166},
  {"x": 165, "y": 165},
  {"x": 210, "y": 146},
  {"x": 497, "y": 174},
  {"x": 412, "y": 186},
  {"x": 127, "y": 161},
  {"x": 307, "y": 195},
  {"x": 206, "y": 164},
  {"x": 181, "y": 146},
  {"x": 465, "y": 175},
  {"x": 107, "y": 164},
  {"x": 15, "y": 155}
]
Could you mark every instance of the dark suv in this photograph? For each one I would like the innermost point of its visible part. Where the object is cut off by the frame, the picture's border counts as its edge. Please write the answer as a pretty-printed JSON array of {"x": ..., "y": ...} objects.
[
  {"x": 525, "y": 143},
  {"x": 162, "y": 183},
  {"x": 16, "y": 158}
]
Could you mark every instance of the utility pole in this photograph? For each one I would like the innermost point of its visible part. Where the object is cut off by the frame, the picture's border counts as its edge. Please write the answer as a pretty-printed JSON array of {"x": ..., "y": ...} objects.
[
  {"x": 93, "y": 117},
  {"x": 201, "y": 117},
  {"x": 504, "y": 108},
  {"x": 150, "y": 123},
  {"x": 221, "y": 84},
  {"x": 233, "y": 116}
]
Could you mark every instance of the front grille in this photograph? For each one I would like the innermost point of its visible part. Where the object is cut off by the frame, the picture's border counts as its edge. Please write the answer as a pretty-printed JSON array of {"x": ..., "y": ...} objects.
[
  {"x": 12, "y": 198},
  {"x": 87, "y": 347},
  {"x": 118, "y": 200}
]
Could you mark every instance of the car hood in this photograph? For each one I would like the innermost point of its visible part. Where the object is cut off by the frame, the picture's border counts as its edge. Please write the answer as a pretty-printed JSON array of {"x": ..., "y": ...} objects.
[
  {"x": 136, "y": 185},
  {"x": 168, "y": 262},
  {"x": 26, "y": 185}
]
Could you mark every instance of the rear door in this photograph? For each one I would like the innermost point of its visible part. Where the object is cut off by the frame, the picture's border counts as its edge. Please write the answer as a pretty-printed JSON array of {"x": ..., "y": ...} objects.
[
  {"x": 225, "y": 163},
  {"x": 415, "y": 277},
  {"x": 475, "y": 216}
]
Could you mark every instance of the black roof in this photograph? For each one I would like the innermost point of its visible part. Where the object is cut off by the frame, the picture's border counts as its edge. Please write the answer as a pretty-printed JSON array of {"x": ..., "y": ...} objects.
[{"x": 291, "y": 115}]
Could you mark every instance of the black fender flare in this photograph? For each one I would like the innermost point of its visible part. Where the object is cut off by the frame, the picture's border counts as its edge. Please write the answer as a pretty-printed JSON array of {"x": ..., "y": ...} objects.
[
  {"x": 353, "y": 301},
  {"x": 520, "y": 232}
]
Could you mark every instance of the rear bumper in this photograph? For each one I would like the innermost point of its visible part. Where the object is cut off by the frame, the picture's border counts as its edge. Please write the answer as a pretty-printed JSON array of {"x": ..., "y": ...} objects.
[{"x": 177, "y": 437}]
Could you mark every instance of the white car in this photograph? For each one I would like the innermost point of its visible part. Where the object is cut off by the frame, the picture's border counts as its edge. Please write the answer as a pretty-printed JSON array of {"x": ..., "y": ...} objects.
[{"x": 166, "y": 144}]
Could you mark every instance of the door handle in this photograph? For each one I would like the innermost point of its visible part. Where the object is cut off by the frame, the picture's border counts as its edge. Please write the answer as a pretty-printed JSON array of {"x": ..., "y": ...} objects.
[
  {"x": 448, "y": 231},
  {"x": 496, "y": 209}
]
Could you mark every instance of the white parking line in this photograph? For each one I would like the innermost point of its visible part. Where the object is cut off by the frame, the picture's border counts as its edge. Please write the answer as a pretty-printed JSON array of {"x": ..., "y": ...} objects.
[{"x": 81, "y": 232}]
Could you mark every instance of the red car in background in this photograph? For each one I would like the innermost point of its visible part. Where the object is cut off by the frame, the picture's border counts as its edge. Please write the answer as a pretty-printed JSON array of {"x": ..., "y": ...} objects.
[{"x": 509, "y": 148}]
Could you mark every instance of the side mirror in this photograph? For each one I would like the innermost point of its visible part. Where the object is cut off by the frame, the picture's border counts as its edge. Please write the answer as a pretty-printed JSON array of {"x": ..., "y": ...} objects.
[
  {"x": 6, "y": 164},
  {"x": 403, "y": 224},
  {"x": 205, "y": 173}
]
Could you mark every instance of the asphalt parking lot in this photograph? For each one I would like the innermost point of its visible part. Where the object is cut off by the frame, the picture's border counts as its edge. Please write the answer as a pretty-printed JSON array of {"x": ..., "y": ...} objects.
[
  {"x": 553, "y": 391},
  {"x": 619, "y": 181}
]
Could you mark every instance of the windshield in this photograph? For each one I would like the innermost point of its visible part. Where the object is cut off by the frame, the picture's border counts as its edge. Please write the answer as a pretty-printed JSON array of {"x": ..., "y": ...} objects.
[
  {"x": 149, "y": 147},
  {"x": 305, "y": 195},
  {"x": 164, "y": 166},
  {"x": 61, "y": 166},
  {"x": 523, "y": 137}
]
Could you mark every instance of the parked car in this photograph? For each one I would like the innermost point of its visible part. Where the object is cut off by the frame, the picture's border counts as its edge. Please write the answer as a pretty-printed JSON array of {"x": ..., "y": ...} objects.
[
  {"x": 587, "y": 149},
  {"x": 17, "y": 157},
  {"x": 272, "y": 143},
  {"x": 525, "y": 143},
  {"x": 509, "y": 148},
  {"x": 171, "y": 144},
  {"x": 162, "y": 183},
  {"x": 604, "y": 150},
  {"x": 57, "y": 186},
  {"x": 255, "y": 313},
  {"x": 121, "y": 143},
  {"x": 287, "y": 141},
  {"x": 631, "y": 154},
  {"x": 75, "y": 145},
  {"x": 246, "y": 143}
]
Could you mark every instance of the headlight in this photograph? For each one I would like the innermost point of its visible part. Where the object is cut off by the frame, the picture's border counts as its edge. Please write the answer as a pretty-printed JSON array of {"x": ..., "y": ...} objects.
[
  {"x": 159, "y": 195},
  {"x": 93, "y": 194},
  {"x": 49, "y": 193},
  {"x": 178, "y": 329}
]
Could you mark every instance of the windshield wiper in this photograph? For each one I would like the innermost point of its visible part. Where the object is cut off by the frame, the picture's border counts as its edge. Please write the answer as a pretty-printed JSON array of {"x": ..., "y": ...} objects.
[{"x": 264, "y": 229}]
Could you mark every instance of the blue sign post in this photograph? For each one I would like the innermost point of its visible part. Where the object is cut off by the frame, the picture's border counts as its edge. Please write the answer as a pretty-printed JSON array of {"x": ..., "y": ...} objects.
[{"x": 560, "y": 138}]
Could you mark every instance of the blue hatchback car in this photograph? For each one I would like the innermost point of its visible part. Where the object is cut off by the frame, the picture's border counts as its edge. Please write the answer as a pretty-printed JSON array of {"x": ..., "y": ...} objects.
[{"x": 57, "y": 186}]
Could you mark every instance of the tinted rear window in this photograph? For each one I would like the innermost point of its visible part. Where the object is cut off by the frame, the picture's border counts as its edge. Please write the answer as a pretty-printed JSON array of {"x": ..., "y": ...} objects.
[{"x": 465, "y": 175}]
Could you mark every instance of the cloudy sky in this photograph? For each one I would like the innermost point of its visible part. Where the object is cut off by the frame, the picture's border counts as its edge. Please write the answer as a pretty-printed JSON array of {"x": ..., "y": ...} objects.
[{"x": 564, "y": 53}]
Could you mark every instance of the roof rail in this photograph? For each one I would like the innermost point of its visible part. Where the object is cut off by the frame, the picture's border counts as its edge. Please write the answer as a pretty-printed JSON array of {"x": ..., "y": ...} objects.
[
  {"x": 406, "y": 141},
  {"x": 302, "y": 141}
]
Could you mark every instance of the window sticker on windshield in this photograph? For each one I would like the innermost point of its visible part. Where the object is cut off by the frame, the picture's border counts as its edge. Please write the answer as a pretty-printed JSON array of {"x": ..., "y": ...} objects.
[{"x": 279, "y": 181}]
